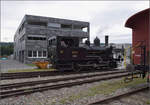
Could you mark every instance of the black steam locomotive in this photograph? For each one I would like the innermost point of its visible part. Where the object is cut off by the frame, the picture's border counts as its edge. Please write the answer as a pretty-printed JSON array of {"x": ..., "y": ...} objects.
[{"x": 66, "y": 52}]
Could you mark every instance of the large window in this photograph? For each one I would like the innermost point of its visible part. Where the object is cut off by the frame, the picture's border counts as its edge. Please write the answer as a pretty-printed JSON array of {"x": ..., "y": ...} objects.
[
  {"x": 34, "y": 53},
  {"x": 64, "y": 26},
  {"x": 29, "y": 53},
  {"x": 37, "y": 54},
  {"x": 44, "y": 53},
  {"x": 36, "y": 38}
]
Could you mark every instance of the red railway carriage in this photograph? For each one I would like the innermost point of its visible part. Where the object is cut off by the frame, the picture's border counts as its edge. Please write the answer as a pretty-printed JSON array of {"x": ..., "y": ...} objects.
[{"x": 139, "y": 23}]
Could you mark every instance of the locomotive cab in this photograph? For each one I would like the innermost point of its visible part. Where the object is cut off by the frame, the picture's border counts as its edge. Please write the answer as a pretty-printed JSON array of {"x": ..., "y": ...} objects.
[{"x": 64, "y": 51}]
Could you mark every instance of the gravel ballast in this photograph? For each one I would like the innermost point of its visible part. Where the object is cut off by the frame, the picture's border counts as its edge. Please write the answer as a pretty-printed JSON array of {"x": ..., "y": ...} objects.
[{"x": 75, "y": 95}]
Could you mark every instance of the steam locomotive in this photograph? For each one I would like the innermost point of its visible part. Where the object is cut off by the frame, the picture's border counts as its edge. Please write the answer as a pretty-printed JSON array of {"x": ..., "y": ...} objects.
[{"x": 66, "y": 52}]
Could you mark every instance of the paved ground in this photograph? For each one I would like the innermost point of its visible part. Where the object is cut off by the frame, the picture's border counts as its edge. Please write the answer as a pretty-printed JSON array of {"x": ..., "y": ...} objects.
[
  {"x": 10, "y": 64},
  {"x": 6, "y": 65}
]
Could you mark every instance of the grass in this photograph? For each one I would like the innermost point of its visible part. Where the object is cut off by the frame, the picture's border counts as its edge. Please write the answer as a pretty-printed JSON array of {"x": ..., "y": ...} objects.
[
  {"x": 29, "y": 70},
  {"x": 148, "y": 102},
  {"x": 104, "y": 88},
  {"x": 110, "y": 87}
]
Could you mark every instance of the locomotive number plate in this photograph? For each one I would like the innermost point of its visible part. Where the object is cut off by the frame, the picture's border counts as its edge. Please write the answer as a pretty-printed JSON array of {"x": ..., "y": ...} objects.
[{"x": 74, "y": 52}]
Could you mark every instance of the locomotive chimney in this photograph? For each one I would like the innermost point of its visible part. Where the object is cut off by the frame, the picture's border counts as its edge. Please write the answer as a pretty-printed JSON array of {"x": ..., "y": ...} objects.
[{"x": 106, "y": 40}]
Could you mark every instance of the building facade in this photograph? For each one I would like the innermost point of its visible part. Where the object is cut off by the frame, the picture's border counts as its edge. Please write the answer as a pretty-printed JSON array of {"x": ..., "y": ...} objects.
[{"x": 31, "y": 37}]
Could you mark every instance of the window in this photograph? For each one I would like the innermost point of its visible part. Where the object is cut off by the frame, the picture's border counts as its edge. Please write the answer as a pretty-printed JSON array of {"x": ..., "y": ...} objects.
[
  {"x": 30, "y": 38},
  {"x": 77, "y": 27},
  {"x": 29, "y": 53},
  {"x": 52, "y": 42},
  {"x": 66, "y": 26},
  {"x": 39, "y": 53},
  {"x": 34, "y": 53},
  {"x": 85, "y": 29},
  {"x": 55, "y": 25},
  {"x": 44, "y": 53},
  {"x": 36, "y": 38}
]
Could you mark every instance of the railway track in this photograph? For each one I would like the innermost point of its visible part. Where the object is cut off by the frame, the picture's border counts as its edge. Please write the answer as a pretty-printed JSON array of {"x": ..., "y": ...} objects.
[
  {"x": 116, "y": 97},
  {"x": 16, "y": 92},
  {"x": 4, "y": 76},
  {"x": 22, "y": 84}
]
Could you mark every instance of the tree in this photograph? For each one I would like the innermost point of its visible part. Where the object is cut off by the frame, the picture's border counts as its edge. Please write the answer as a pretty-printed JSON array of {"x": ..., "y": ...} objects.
[{"x": 6, "y": 49}]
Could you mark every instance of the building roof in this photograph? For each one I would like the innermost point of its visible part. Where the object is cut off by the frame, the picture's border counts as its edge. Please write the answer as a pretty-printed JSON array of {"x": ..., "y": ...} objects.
[
  {"x": 45, "y": 18},
  {"x": 132, "y": 20}
]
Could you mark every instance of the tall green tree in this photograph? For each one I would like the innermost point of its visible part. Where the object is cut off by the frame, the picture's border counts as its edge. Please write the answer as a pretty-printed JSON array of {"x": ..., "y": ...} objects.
[{"x": 6, "y": 49}]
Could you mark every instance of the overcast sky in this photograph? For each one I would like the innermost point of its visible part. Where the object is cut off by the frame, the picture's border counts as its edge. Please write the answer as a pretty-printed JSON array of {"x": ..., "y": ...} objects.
[{"x": 106, "y": 18}]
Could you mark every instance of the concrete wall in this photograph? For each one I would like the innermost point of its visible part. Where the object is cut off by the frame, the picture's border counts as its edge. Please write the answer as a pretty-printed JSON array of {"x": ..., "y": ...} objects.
[{"x": 22, "y": 44}]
